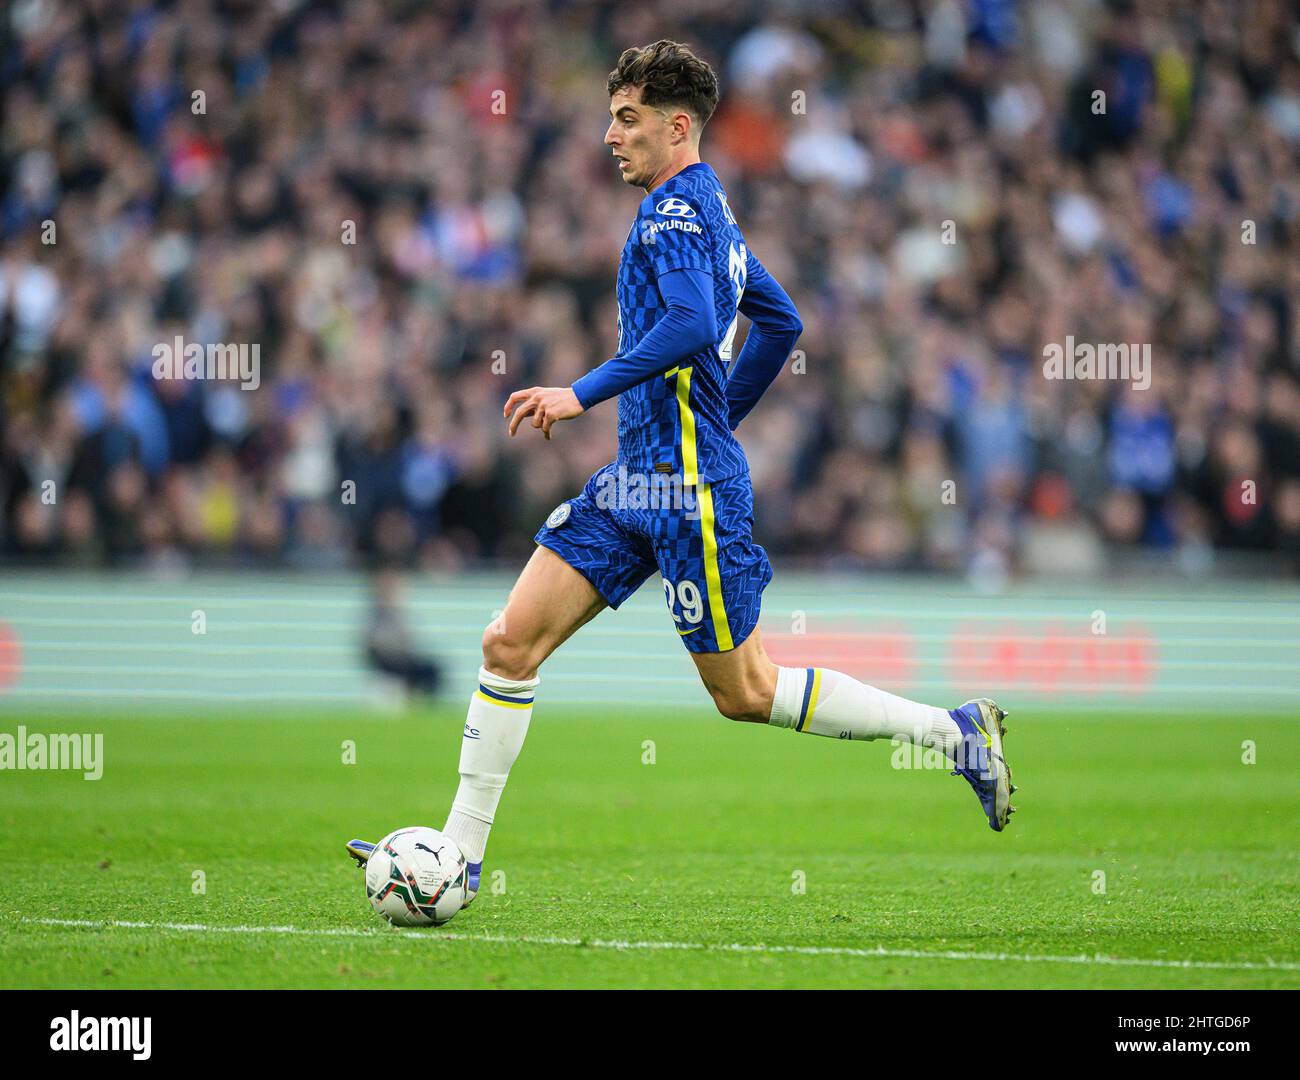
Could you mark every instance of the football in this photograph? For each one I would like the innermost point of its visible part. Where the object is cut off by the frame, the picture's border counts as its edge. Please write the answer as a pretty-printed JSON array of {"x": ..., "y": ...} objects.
[{"x": 416, "y": 877}]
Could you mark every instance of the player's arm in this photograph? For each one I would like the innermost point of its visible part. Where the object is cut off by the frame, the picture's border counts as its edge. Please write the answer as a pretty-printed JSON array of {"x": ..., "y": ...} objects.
[
  {"x": 681, "y": 262},
  {"x": 682, "y": 267},
  {"x": 687, "y": 327},
  {"x": 776, "y": 327}
]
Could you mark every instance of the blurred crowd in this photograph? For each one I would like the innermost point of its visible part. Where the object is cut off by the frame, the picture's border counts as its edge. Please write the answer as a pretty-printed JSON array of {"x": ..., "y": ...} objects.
[{"x": 409, "y": 208}]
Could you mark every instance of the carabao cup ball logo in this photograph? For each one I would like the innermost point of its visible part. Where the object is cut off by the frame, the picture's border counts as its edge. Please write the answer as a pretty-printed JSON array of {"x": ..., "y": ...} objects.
[
  {"x": 674, "y": 207},
  {"x": 558, "y": 516}
]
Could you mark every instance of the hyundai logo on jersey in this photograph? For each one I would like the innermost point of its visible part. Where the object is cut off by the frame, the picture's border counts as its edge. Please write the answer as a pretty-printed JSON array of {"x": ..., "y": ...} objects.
[{"x": 674, "y": 207}]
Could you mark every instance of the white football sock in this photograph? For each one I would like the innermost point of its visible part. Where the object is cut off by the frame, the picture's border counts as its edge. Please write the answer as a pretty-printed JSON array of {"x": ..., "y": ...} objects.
[
  {"x": 495, "y": 728},
  {"x": 825, "y": 702}
]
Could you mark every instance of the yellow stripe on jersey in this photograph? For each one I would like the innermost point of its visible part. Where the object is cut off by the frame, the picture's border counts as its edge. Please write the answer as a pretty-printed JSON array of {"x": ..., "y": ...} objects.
[
  {"x": 690, "y": 476},
  {"x": 721, "y": 628},
  {"x": 690, "y": 471}
]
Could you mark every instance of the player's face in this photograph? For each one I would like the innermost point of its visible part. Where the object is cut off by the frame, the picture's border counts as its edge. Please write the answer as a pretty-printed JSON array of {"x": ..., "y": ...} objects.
[{"x": 640, "y": 137}]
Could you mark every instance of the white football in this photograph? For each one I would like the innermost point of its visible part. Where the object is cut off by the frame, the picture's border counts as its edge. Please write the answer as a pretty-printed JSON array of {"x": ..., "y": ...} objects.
[{"x": 416, "y": 877}]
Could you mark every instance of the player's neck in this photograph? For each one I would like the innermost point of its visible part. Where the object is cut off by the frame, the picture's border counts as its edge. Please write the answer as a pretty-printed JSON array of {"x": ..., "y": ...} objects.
[{"x": 673, "y": 168}]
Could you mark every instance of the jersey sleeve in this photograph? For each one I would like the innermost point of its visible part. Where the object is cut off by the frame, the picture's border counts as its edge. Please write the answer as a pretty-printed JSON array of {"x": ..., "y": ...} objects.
[
  {"x": 765, "y": 302},
  {"x": 675, "y": 234},
  {"x": 767, "y": 345},
  {"x": 683, "y": 330}
]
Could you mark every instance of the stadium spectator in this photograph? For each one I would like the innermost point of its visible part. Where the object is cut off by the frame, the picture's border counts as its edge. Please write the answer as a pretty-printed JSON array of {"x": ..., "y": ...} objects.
[{"x": 409, "y": 209}]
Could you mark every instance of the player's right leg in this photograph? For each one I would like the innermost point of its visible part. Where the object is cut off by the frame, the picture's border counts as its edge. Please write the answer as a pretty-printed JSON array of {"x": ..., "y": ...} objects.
[
  {"x": 548, "y": 603},
  {"x": 722, "y": 576}
]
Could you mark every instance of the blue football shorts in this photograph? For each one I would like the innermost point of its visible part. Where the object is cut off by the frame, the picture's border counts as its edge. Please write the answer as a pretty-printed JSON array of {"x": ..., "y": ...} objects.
[{"x": 699, "y": 537}]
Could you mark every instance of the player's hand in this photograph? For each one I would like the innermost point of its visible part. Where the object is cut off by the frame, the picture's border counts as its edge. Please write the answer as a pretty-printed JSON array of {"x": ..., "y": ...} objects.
[{"x": 545, "y": 404}]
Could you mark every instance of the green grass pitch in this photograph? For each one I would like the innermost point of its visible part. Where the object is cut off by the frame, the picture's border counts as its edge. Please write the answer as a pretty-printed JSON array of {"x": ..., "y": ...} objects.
[{"x": 680, "y": 873}]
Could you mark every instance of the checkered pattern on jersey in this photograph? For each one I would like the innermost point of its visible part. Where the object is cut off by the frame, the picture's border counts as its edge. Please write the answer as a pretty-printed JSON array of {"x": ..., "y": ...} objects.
[
  {"x": 618, "y": 544},
  {"x": 683, "y": 224}
]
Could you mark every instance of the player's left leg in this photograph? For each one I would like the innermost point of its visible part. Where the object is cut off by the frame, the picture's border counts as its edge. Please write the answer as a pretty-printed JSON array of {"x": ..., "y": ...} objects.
[
  {"x": 550, "y": 601},
  {"x": 585, "y": 560}
]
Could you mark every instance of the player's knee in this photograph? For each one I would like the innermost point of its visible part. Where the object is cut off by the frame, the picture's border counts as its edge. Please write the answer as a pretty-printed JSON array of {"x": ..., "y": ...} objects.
[
  {"x": 507, "y": 655},
  {"x": 741, "y": 704}
]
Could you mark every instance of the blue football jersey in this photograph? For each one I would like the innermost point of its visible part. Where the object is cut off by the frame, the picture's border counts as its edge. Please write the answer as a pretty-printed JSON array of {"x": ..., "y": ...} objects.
[{"x": 678, "y": 422}]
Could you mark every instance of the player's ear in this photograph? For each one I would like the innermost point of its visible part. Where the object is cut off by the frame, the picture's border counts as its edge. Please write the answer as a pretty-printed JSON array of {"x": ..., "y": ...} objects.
[{"x": 682, "y": 125}]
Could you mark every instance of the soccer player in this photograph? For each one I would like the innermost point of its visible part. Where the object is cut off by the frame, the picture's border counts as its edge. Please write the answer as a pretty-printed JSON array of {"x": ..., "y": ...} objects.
[{"x": 685, "y": 277}]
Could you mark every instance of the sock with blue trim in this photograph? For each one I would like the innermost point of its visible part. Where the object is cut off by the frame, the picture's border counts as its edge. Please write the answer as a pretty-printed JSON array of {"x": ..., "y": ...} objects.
[
  {"x": 495, "y": 728},
  {"x": 825, "y": 702}
]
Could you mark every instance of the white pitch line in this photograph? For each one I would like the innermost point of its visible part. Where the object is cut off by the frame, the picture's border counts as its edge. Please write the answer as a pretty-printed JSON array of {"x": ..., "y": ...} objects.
[{"x": 880, "y": 952}]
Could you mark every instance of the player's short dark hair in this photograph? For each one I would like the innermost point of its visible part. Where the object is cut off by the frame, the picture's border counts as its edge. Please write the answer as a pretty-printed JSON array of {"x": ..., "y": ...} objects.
[{"x": 668, "y": 74}]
